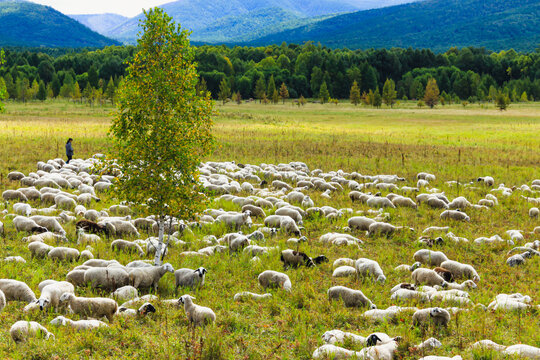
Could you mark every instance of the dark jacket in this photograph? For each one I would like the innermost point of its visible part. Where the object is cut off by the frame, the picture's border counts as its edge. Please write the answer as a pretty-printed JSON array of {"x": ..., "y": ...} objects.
[{"x": 69, "y": 149}]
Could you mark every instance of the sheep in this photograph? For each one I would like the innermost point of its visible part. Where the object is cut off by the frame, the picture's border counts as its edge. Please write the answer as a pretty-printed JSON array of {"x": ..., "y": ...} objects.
[
  {"x": 342, "y": 262},
  {"x": 148, "y": 277},
  {"x": 370, "y": 267},
  {"x": 460, "y": 270},
  {"x": 409, "y": 268},
  {"x": 15, "y": 176},
  {"x": 235, "y": 221},
  {"x": 91, "y": 307},
  {"x": 109, "y": 278},
  {"x": 436, "y": 203},
  {"x": 76, "y": 277},
  {"x": 338, "y": 336},
  {"x": 329, "y": 351},
  {"x": 286, "y": 223},
  {"x": 439, "y": 317},
  {"x": 486, "y": 180},
  {"x": 270, "y": 278},
  {"x": 434, "y": 258},
  {"x": 125, "y": 293},
  {"x": 63, "y": 253},
  {"x": 344, "y": 271},
  {"x": 28, "y": 225},
  {"x": 120, "y": 227},
  {"x": 79, "y": 325},
  {"x": 382, "y": 228},
  {"x": 428, "y": 277},
  {"x": 360, "y": 223},
  {"x": 144, "y": 310},
  {"x": 445, "y": 274},
  {"x": 307, "y": 202},
  {"x": 402, "y": 201},
  {"x": 384, "y": 351},
  {"x": 238, "y": 243},
  {"x": 83, "y": 238},
  {"x": 196, "y": 314},
  {"x": 127, "y": 247},
  {"x": 350, "y": 297},
  {"x": 521, "y": 350},
  {"x": 49, "y": 222},
  {"x": 254, "y": 210},
  {"x": 22, "y": 209},
  {"x": 39, "y": 249},
  {"x": 245, "y": 295},
  {"x": 15, "y": 290},
  {"x": 292, "y": 258},
  {"x": 22, "y": 330},
  {"x": 63, "y": 202},
  {"x": 534, "y": 212},
  {"x": 510, "y": 302},
  {"x": 50, "y": 294},
  {"x": 92, "y": 227},
  {"x": 454, "y": 215},
  {"x": 2, "y": 300},
  {"x": 379, "y": 202},
  {"x": 14, "y": 195},
  {"x": 189, "y": 278}
]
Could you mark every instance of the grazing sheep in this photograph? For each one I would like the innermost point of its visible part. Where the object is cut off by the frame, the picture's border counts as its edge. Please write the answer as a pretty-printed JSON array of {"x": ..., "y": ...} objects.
[
  {"x": 344, "y": 271},
  {"x": 343, "y": 261},
  {"x": 149, "y": 277},
  {"x": 329, "y": 351},
  {"x": 63, "y": 202},
  {"x": 3, "y": 300},
  {"x": 26, "y": 224},
  {"x": 197, "y": 315},
  {"x": 402, "y": 201},
  {"x": 125, "y": 293},
  {"x": 92, "y": 227},
  {"x": 22, "y": 209},
  {"x": 50, "y": 294},
  {"x": 189, "y": 278},
  {"x": 108, "y": 278},
  {"x": 15, "y": 176},
  {"x": 428, "y": 277},
  {"x": 434, "y": 202},
  {"x": 292, "y": 213},
  {"x": 79, "y": 325},
  {"x": 379, "y": 202},
  {"x": 235, "y": 221},
  {"x": 439, "y": 317},
  {"x": 360, "y": 223},
  {"x": 254, "y": 210},
  {"x": 292, "y": 258},
  {"x": 460, "y": 270},
  {"x": 91, "y": 307},
  {"x": 454, "y": 215},
  {"x": 63, "y": 253},
  {"x": 365, "y": 267},
  {"x": 144, "y": 310},
  {"x": 85, "y": 239},
  {"x": 49, "y": 222},
  {"x": 246, "y": 295},
  {"x": 15, "y": 290},
  {"x": 486, "y": 180},
  {"x": 120, "y": 227},
  {"x": 127, "y": 247},
  {"x": 434, "y": 258},
  {"x": 9, "y": 195},
  {"x": 286, "y": 223},
  {"x": 270, "y": 278},
  {"x": 385, "y": 351},
  {"x": 534, "y": 212},
  {"x": 350, "y": 297},
  {"x": 22, "y": 330}
]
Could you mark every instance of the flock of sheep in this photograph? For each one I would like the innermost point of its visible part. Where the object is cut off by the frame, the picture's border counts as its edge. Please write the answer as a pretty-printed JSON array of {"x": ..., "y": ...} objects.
[{"x": 273, "y": 201}]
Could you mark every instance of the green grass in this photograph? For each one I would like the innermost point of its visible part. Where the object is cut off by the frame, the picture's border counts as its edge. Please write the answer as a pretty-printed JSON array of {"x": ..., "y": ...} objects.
[{"x": 451, "y": 142}]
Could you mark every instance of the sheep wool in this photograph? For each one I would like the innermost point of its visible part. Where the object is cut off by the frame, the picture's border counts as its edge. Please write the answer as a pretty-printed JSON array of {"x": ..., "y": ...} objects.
[
  {"x": 350, "y": 297},
  {"x": 246, "y": 295},
  {"x": 270, "y": 278},
  {"x": 189, "y": 278},
  {"x": 196, "y": 314},
  {"x": 15, "y": 290},
  {"x": 91, "y": 307},
  {"x": 22, "y": 330},
  {"x": 149, "y": 276},
  {"x": 79, "y": 325}
]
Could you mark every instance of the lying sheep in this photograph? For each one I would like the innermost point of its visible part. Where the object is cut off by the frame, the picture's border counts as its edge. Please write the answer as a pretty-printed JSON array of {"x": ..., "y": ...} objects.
[
  {"x": 460, "y": 270},
  {"x": 148, "y": 277},
  {"x": 270, "y": 278},
  {"x": 15, "y": 290},
  {"x": 384, "y": 351},
  {"x": 434, "y": 258},
  {"x": 127, "y": 247},
  {"x": 79, "y": 325},
  {"x": 329, "y": 351},
  {"x": 407, "y": 294},
  {"x": 26, "y": 224},
  {"x": 197, "y": 315},
  {"x": 292, "y": 258},
  {"x": 520, "y": 350},
  {"x": 428, "y": 277},
  {"x": 189, "y": 278},
  {"x": 91, "y": 307},
  {"x": 22, "y": 330},
  {"x": 144, "y": 310},
  {"x": 125, "y": 293},
  {"x": 439, "y": 317},
  {"x": 246, "y": 295},
  {"x": 350, "y": 297},
  {"x": 365, "y": 267},
  {"x": 454, "y": 215}
]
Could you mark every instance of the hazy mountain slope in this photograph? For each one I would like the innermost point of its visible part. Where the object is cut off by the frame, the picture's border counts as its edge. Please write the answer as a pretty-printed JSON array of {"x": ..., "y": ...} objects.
[{"x": 100, "y": 23}]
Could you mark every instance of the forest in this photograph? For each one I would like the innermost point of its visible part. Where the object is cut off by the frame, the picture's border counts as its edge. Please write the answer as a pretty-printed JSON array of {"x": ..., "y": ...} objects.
[{"x": 306, "y": 71}]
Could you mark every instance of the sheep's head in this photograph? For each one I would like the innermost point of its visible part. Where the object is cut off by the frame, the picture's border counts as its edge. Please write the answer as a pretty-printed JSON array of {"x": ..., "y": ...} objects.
[
  {"x": 168, "y": 267},
  {"x": 416, "y": 265},
  {"x": 372, "y": 340},
  {"x": 201, "y": 271},
  {"x": 43, "y": 303},
  {"x": 435, "y": 312},
  {"x": 320, "y": 259},
  {"x": 59, "y": 320},
  {"x": 185, "y": 299},
  {"x": 65, "y": 297},
  {"x": 146, "y": 308},
  {"x": 381, "y": 279},
  {"x": 39, "y": 229}
]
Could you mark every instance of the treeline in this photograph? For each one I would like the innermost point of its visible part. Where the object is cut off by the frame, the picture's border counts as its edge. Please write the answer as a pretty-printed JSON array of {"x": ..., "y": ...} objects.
[{"x": 471, "y": 74}]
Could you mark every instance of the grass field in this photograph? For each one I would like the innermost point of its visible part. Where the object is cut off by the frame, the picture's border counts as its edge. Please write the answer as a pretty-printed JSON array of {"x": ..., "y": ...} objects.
[{"x": 451, "y": 142}]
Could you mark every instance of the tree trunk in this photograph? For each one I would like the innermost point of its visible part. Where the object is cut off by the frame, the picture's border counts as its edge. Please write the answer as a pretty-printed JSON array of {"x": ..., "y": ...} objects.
[{"x": 157, "y": 257}]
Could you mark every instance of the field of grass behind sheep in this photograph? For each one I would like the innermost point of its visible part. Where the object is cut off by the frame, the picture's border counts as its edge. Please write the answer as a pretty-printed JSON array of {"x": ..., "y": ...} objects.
[{"x": 454, "y": 143}]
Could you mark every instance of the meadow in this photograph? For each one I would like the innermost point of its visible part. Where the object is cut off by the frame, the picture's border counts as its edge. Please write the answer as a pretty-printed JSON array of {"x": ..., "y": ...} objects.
[{"x": 452, "y": 142}]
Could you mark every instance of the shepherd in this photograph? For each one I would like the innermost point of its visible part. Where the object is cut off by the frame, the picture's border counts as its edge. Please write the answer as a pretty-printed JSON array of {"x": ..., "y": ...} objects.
[{"x": 69, "y": 150}]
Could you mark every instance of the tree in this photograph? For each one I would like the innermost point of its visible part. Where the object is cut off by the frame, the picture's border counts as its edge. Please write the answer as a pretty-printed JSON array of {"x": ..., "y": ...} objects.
[
  {"x": 260, "y": 89},
  {"x": 275, "y": 97},
  {"x": 355, "y": 94},
  {"x": 161, "y": 129},
  {"x": 302, "y": 100},
  {"x": 55, "y": 85},
  {"x": 46, "y": 71},
  {"x": 324, "y": 95},
  {"x": 76, "y": 95},
  {"x": 502, "y": 101},
  {"x": 42, "y": 91},
  {"x": 377, "y": 99},
  {"x": 283, "y": 92},
  {"x": 3, "y": 89},
  {"x": 93, "y": 77},
  {"x": 389, "y": 92},
  {"x": 237, "y": 97},
  {"x": 224, "y": 91},
  {"x": 110, "y": 90},
  {"x": 271, "y": 88},
  {"x": 431, "y": 95},
  {"x": 22, "y": 89}
]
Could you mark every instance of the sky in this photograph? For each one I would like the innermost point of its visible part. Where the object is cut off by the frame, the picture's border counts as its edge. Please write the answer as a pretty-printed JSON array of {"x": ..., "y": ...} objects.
[{"x": 127, "y": 8}]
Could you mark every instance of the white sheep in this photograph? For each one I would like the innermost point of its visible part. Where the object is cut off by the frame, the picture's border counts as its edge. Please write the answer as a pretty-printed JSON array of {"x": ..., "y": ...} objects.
[
  {"x": 365, "y": 267},
  {"x": 246, "y": 295},
  {"x": 434, "y": 258},
  {"x": 109, "y": 278},
  {"x": 79, "y": 325},
  {"x": 350, "y": 297},
  {"x": 148, "y": 277},
  {"x": 343, "y": 262},
  {"x": 125, "y": 293},
  {"x": 144, "y": 310},
  {"x": 329, "y": 351},
  {"x": 84, "y": 239},
  {"x": 454, "y": 215},
  {"x": 22, "y": 209},
  {"x": 9, "y": 195},
  {"x": 378, "y": 202},
  {"x": 460, "y": 270},
  {"x": 338, "y": 336},
  {"x": 51, "y": 293},
  {"x": 521, "y": 350},
  {"x": 22, "y": 330},
  {"x": 50, "y": 223},
  {"x": 3, "y": 301},
  {"x": 428, "y": 277},
  {"x": 270, "y": 278},
  {"x": 15, "y": 290},
  {"x": 189, "y": 278},
  {"x": 344, "y": 271},
  {"x": 63, "y": 253},
  {"x": 384, "y": 351},
  {"x": 360, "y": 223},
  {"x": 534, "y": 212},
  {"x": 439, "y": 317},
  {"x": 407, "y": 294},
  {"x": 196, "y": 314},
  {"x": 127, "y": 247},
  {"x": 23, "y": 223},
  {"x": 91, "y": 307},
  {"x": 235, "y": 221}
]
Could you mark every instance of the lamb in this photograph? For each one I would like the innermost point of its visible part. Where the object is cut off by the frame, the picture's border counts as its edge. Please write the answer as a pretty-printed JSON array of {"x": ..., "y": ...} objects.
[
  {"x": 26, "y": 224},
  {"x": 51, "y": 293},
  {"x": 109, "y": 278},
  {"x": 344, "y": 271},
  {"x": 370, "y": 267},
  {"x": 127, "y": 247},
  {"x": 63, "y": 253},
  {"x": 22, "y": 330},
  {"x": 534, "y": 212},
  {"x": 125, "y": 293},
  {"x": 144, "y": 310},
  {"x": 15, "y": 290},
  {"x": 91, "y": 307},
  {"x": 196, "y": 314},
  {"x": 235, "y": 221},
  {"x": 246, "y": 295},
  {"x": 14, "y": 195},
  {"x": 270, "y": 278},
  {"x": 292, "y": 258},
  {"x": 439, "y": 317},
  {"x": 460, "y": 270},
  {"x": 360, "y": 223},
  {"x": 434, "y": 258},
  {"x": 149, "y": 276},
  {"x": 428, "y": 277},
  {"x": 454, "y": 215},
  {"x": 189, "y": 278},
  {"x": 79, "y": 325},
  {"x": 350, "y": 297}
]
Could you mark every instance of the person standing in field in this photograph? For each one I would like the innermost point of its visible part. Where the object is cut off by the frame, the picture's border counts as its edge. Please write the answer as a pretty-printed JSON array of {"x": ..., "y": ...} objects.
[{"x": 69, "y": 150}]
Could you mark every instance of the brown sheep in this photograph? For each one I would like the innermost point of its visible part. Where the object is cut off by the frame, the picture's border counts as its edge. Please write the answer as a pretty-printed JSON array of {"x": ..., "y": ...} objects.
[
  {"x": 92, "y": 227},
  {"x": 445, "y": 274}
]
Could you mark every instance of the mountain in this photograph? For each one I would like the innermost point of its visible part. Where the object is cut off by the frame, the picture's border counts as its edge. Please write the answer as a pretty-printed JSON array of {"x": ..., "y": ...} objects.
[
  {"x": 201, "y": 14},
  {"x": 28, "y": 24},
  {"x": 435, "y": 24},
  {"x": 100, "y": 23}
]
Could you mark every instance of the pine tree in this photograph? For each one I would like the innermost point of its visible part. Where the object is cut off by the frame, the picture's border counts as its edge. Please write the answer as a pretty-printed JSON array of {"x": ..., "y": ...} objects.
[
  {"x": 42, "y": 91},
  {"x": 502, "y": 101},
  {"x": 324, "y": 95},
  {"x": 271, "y": 88},
  {"x": 110, "y": 91},
  {"x": 224, "y": 91},
  {"x": 389, "y": 93},
  {"x": 283, "y": 92},
  {"x": 275, "y": 97},
  {"x": 377, "y": 98},
  {"x": 431, "y": 95},
  {"x": 93, "y": 77},
  {"x": 76, "y": 92},
  {"x": 355, "y": 94},
  {"x": 260, "y": 89}
]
